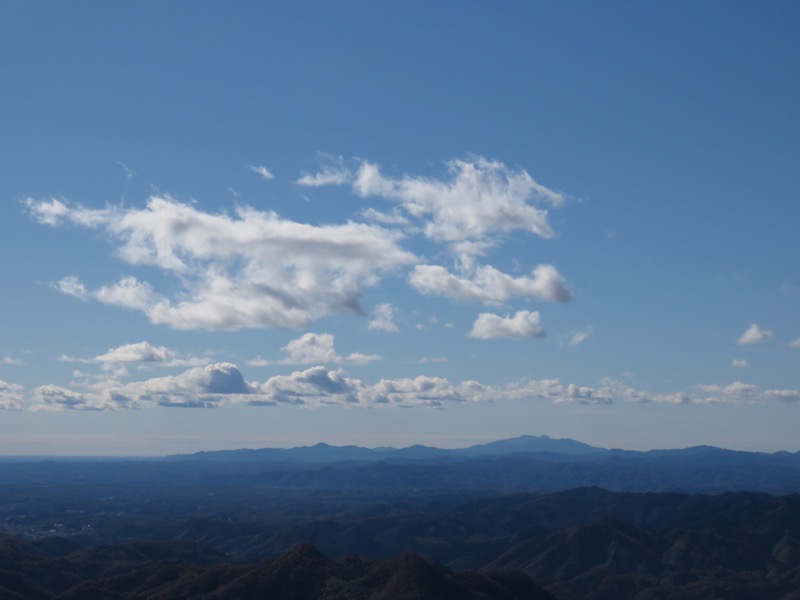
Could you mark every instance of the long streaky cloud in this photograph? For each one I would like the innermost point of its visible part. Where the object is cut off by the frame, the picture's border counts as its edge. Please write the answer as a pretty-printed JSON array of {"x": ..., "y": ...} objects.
[{"x": 217, "y": 384}]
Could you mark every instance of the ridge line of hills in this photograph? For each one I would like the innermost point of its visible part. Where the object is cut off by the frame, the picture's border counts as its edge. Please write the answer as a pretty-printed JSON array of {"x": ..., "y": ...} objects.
[
  {"x": 524, "y": 444},
  {"x": 323, "y": 452}
]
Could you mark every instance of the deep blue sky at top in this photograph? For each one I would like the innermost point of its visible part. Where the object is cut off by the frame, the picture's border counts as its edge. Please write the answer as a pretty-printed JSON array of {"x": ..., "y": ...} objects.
[{"x": 671, "y": 128}]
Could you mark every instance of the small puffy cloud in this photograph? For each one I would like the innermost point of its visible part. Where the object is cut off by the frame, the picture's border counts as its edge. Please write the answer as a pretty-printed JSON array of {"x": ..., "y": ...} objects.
[
  {"x": 313, "y": 348},
  {"x": 314, "y": 386},
  {"x": 489, "y": 285},
  {"x": 11, "y": 361},
  {"x": 264, "y": 172},
  {"x": 252, "y": 269},
  {"x": 523, "y": 325},
  {"x": 740, "y": 363},
  {"x": 200, "y": 387},
  {"x": 139, "y": 352},
  {"x": 795, "y": 343},
  {"x": 578, "y": 394},
  {"x": 71, "y": 286},
  {"x": 382, "y": 318},
  {"x": 10, "y": 396},
  {"x": 754, "y": 335}
]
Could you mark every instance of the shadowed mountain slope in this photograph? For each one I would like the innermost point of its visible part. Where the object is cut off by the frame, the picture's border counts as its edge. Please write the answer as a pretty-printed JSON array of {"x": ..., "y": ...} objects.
[{"x": 134, "y": 572}]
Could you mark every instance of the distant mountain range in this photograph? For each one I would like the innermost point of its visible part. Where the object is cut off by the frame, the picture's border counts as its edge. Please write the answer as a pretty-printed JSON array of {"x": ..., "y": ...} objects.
[
  {"x": 525, "y": 463},
  {"x": 322, "y": 453},
  {"x": 522, "y": 464}
]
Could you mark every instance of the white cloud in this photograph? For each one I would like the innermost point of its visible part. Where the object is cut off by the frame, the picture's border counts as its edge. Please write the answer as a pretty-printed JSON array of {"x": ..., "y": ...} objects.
[
  {"x": 795, "y": 343},
  {"x": 11, "y": 361},
  {"x": 258, "y": 361},
  {"x": 376, "y": 216},
  {"x": 141, "y": 353},
  {"x": 487, "y": 284},
  {"x": 784, "y": 395},
  {"x": 382, "y": 318},
  {"x": 482, "y": 198},
  {"x": 740, "y": 363},
  {"x": 733, "y": 393},
  {"x": 56, "y": 398},
  {"x": 333, "y": 173},
  {"x": 523, "y": 325},
  {"x": 71, "y": 286},
  {"x": 254, "y": 269},
  {"x": 200, "y": 387},
  {"x": 575, "y": 394},
  {"x": 576, "y": 338},
  {"x": 131, "y": 293},
  {"x": 222, "y": 383},
  {"x": 54, "y": 212},
  {"x": 313, "y": 348},
  {"x": 617, "y": 390},
  {"x": 264, "y": 172},
  {"x": 10, "y": 396},
  {"x": 126, "y": 169},
  {"x": 754, "y": 335}
]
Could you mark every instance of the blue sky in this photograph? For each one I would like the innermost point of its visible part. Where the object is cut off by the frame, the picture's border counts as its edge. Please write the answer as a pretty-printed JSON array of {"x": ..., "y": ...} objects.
[{"x": 246, "y": 224}]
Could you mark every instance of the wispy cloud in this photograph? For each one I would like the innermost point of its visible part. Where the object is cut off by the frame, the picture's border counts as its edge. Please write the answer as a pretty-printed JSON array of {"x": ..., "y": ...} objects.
[
  {"x": 126, "y": 170},
  {"x": 263, "y": 172},
  {"x": 390, "y": 218},
  {"x": 435, "y": 359},
  {"x": 754, "y": 335},
  {"x": 333, "y": 172},
  {"x": 795, "y": 343},
  {"x": 740, "y": 363},
  {"x": 576, "y": 338},
  {"x": 11, "y": 361},
  {"x": 523, "y": 325}
]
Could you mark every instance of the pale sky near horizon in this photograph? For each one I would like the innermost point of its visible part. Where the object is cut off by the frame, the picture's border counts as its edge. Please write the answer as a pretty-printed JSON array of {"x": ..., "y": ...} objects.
[{"x": 250, "y": 224}]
